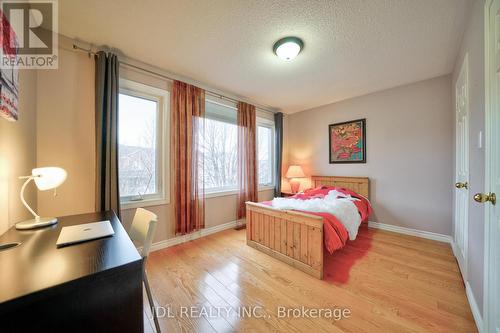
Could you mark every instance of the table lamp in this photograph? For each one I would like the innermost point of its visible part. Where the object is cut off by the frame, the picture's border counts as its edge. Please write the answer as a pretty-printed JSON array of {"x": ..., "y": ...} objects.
[
  {"x": 294, "y": 172},
  {"x": 45, "y": 179}
]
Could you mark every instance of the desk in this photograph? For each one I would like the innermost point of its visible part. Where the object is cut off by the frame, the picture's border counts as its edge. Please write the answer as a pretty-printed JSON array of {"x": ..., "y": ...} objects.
[{"x": 94, "y": 286}]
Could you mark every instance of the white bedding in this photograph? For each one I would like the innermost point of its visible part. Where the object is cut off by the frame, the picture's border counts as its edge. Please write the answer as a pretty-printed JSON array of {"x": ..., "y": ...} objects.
[{"x": 342, "y": 208}]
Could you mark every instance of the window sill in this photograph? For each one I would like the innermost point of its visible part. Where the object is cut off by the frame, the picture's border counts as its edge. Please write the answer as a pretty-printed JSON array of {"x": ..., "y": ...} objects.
[
  {"x": 214, "y": 194},
  {"x": 143, "y": 203},
  {"x": 266, "y": 187}
]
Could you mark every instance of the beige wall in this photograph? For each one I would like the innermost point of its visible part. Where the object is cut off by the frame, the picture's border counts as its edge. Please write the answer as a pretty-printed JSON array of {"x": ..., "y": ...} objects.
[
  {"x": 218, "y": 210},
  {"x": 409, "y": 151},
  {"x": 65, "y": 133},
  {"x": 65, "y": 138},
  {"x": 473, "y": 45},
  {"x": 18, "y": 154},
  {"x": 403, "y": 166},
  {"x": 223, "y": 209},
  {"x": 65, "y": 127}
]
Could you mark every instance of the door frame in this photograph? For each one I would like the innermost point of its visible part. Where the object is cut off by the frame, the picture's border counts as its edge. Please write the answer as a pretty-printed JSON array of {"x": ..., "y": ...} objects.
[
  {"x": 464, "y": 266},
  {"x": 489, "y": 299}
]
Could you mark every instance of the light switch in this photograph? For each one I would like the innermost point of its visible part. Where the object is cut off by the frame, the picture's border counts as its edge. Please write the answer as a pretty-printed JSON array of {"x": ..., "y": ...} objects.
[{"x": 480, "y": 140}]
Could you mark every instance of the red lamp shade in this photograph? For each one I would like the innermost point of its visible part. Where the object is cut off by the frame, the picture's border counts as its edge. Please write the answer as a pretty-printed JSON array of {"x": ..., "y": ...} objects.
[{"x": 295, "y": 171}]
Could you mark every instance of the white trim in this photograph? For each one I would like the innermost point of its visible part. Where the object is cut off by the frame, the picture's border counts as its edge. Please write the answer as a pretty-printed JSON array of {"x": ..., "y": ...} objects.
[
  {"x": 224, "y": 193},
  {"x": 462, "y": 146},
  {"x": 266, "y": 188},
  {"x": 474, "y": 308},
  {"x": 402, "y": 230},
  {"x": 454, "y": 249},
  {"x": 267, "y": 123},
  {"x": 219, "y": 100},
  {"x": 143, "y": 203},
  {"x": 192, "y": 236},
  {"x": 488, "y": 270},
  {"x": 208, "y": 231},
  {"x": 478, "y": 319},
  {"x": 441, "y": 238},
  {"x": 411, "y": 232},
  {"x": 162, "y": 98}
]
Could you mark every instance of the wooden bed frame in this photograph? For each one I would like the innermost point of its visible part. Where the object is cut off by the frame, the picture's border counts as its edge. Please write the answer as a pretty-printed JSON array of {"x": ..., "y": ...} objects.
[{"x": 293, "y": 237}]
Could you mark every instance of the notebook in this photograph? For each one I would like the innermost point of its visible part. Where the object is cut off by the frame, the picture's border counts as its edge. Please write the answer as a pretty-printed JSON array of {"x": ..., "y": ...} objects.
[{"x": 84, "y": 232}]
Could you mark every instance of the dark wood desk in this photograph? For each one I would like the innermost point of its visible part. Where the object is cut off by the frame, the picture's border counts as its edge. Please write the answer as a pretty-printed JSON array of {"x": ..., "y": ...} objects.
[{"x": 94, "y": 286}]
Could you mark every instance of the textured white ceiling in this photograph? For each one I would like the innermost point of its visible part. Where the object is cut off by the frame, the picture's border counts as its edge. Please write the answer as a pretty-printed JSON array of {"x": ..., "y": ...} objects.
[{"x": 352, "y": 47}]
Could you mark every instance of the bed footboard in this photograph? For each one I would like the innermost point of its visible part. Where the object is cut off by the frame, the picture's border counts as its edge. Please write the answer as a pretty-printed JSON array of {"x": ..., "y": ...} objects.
[{"x": 292, "y": 237}]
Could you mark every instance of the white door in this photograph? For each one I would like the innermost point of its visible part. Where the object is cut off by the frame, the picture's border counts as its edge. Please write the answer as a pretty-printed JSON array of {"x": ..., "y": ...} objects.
[
  {"x": 462, "y": 167},
  {"x": 492, "y": 227}
]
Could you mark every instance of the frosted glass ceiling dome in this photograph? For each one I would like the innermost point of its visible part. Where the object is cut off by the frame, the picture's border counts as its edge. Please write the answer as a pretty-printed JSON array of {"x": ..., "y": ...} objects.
[{"x": 288, "y": 48}]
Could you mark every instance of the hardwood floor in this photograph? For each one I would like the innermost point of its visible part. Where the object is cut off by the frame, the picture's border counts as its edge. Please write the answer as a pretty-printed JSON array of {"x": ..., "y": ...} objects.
[{"x": 389, "y": 283}]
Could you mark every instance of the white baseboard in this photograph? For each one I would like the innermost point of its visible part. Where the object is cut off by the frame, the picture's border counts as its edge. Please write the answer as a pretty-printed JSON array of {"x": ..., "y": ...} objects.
[
  {"x": 441, "y": 238},
  {"x": 194, "y": 235},
  {"x": 455, "y": 251},
  {"x": 411, "y": 232},
  {"x": 474, "y": 308},
  {"x": 207, "y": 231},
  {"x": 402, "y": 230},
  {"x": 454, "y": 247}
]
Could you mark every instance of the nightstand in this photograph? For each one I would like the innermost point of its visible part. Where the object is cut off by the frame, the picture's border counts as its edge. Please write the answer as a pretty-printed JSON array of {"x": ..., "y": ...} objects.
[{"x": 287, "y": 194}]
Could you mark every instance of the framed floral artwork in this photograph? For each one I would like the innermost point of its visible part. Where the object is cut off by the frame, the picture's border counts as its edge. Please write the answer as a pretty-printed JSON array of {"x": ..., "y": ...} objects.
[{"x": 348, "y": 142}]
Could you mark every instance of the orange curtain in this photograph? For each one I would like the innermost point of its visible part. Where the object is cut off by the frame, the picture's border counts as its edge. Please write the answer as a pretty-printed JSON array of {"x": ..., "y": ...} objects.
[
  {"x": 247, "y": 168},
  {"x": 188, "y": 112}
]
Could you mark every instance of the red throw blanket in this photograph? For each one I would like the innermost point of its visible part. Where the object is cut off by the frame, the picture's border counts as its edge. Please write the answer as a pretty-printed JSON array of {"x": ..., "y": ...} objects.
[{"x": 336, "y": 234}]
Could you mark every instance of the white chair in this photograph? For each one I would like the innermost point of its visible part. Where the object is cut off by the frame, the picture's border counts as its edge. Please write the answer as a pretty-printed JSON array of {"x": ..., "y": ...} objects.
[{"x": 142, "y": 232}]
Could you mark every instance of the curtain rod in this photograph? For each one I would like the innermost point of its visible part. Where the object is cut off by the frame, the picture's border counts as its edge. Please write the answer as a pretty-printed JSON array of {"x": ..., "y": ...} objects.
[
  {"x": 214, "y": 94},
  {"x": 88, "y": 51}
]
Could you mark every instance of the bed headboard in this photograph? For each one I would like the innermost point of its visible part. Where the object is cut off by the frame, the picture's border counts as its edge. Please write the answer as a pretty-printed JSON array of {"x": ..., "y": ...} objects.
[{"x": 359, "y": 185}]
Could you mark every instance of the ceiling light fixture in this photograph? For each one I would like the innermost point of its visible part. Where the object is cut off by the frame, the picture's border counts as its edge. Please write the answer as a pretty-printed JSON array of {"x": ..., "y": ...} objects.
[{"x": 288, "y": 48}]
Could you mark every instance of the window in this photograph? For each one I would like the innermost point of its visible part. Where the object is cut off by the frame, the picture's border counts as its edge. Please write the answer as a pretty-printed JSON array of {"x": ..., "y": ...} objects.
[
  {"x": 141, "y": 137},
  {"x": 265, "y": 152},
  {"x": 220, "y": 147}
]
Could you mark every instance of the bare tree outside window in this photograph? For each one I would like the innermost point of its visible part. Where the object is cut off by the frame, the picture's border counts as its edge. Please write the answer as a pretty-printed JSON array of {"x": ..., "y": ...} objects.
[
  {"x": 137, "y": 146},
  {"x": 220, "y": 155},
  {"x": 265, "y": 157},
  {"x": 139, "y": 156},
  {"x": 220, "y": 149}
]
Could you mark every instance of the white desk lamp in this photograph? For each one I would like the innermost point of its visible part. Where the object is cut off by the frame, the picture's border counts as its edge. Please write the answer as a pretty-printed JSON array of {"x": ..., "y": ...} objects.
[{"x": 45, "y": 179}]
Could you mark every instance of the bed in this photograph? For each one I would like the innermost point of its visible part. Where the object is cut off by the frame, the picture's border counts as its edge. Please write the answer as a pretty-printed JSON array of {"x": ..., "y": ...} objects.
[{"x": 293, "y": 237}]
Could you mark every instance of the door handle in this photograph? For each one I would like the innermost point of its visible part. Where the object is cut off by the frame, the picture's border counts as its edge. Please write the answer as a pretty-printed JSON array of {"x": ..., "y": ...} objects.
[
  {"x": 462, "y": 185},
  {"x": 485, "y": 197}
]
